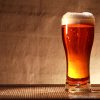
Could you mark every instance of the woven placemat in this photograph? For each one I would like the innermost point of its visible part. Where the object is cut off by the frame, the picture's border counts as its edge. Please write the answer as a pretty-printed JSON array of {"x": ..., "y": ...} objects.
[{"x": 44, "y": 91}]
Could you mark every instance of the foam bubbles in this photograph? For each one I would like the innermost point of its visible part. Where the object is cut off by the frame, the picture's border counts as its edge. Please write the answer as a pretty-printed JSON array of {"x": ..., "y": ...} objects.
[{"x": 76, "y": 18}]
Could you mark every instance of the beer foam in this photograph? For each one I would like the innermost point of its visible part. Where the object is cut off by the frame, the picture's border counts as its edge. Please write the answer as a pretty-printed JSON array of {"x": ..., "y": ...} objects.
[{"x": 76, "y": 18}]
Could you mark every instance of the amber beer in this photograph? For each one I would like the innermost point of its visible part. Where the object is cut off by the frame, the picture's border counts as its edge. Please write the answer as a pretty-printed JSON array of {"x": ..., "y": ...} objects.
[{"x": 78, "y": 35}]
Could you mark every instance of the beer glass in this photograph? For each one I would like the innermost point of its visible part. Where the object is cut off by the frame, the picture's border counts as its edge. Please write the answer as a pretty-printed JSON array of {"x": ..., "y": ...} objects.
[{"x": 78, "y": 36}]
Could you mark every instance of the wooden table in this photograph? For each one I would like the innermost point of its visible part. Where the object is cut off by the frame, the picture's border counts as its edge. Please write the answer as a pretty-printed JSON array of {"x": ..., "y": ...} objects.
[{"x": 45, "y": 91}]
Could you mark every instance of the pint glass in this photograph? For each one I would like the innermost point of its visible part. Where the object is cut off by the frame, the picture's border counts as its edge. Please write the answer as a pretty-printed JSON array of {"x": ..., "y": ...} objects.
[{"x": 78, "y": 36}]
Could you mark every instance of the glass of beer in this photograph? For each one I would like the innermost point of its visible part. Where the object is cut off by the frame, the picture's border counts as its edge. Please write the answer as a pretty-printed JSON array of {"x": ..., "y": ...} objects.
[{"x": 78, "y": 36}]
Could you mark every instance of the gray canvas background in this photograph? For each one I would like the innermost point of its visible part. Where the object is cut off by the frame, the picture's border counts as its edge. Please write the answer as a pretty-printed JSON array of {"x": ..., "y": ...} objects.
[{"x": 31, "y": 49}]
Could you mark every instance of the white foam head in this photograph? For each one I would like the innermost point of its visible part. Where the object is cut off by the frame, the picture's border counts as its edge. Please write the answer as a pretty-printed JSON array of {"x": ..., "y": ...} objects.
[{"x": 76, "y": 18}]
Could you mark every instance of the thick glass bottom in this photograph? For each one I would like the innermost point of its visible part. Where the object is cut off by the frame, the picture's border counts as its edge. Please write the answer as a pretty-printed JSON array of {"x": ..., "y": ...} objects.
[{"x": 74, "y": 86}]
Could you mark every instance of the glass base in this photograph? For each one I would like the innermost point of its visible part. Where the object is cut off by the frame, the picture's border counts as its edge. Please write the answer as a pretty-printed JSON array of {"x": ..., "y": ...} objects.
[{"x": 78, "y": 88}]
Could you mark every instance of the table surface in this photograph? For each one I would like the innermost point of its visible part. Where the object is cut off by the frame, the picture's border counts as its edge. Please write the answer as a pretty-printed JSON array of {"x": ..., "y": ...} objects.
[{"x": 45, "y": 91}]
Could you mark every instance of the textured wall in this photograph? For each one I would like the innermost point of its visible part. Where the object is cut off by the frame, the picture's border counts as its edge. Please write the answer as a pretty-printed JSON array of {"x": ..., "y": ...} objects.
[{"x": 31, "y": 49}]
